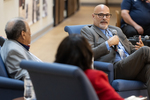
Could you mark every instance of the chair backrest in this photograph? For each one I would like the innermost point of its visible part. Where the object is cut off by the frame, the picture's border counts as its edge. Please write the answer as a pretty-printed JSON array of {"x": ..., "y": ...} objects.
[
  {"x": 118, "y": 14},
  {"x": 59, "y": 81},
  {"x": 73, "y": 29},
  {"x": 2, "y": 40},
  {"x": 3, "y": 71}
]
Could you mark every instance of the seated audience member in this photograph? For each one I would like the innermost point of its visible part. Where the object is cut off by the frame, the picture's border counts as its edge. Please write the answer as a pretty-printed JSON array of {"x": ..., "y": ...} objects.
[
  {"x": 75, "y": 50},
  {"x": 136, "y": 20},
  {"x": 16, "y": 47},
  {"x": 109, "y": 44}
]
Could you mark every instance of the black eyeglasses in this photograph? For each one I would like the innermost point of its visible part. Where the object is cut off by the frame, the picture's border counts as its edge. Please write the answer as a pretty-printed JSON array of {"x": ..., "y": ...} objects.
[{"x": 101, "y": 15}]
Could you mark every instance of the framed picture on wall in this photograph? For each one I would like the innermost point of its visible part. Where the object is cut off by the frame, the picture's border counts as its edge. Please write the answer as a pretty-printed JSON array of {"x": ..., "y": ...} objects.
[
  {"x": 44, "y": 13},
  {"x": 30, "y": 10}
]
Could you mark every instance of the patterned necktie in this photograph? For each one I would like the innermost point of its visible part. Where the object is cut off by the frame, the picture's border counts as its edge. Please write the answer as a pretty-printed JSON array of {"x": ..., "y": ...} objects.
[
  {"x": 121, "y": 53},
  {"x": 107, "y": 34}
]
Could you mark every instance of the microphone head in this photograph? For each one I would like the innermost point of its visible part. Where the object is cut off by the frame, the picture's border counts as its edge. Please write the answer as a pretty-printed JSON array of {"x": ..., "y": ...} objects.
[
  {"x": 114, "y": 32},
  {"x": 146, "y": 37}
]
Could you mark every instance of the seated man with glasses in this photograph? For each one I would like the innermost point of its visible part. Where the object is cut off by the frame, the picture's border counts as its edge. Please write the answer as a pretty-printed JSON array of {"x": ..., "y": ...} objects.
[{"x": 109, "y": 44}]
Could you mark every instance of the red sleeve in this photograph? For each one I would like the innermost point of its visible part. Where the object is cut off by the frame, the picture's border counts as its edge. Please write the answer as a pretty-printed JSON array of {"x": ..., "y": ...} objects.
[{"x": 101, "y": 85}]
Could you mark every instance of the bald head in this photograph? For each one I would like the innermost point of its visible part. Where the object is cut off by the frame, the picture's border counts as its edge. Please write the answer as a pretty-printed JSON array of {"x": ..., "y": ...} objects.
[
  {"x": 100, "y": 8},
  {"x": 14, "y": 27}
]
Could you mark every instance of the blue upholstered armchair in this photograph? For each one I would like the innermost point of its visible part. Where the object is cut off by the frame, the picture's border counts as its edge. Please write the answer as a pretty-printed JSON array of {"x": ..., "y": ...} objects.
[
  {"x": 54, "y": 81},
  {"x": 9, "y": 88},
  {"x": 125, "y": 88}
]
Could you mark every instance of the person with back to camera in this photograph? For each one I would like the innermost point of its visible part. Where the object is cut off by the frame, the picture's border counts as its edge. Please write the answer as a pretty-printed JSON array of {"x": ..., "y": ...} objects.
[
  {"x": 16, "y": 47},
  {"x": 135, "y": 17},
  {"x": 75, "y": 50},
  {"x": 109, "y": 44}
]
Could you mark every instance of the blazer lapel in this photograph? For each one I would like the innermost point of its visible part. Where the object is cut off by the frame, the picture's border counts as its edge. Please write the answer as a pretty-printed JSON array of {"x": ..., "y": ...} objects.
[{"x": 99, "y": 32}]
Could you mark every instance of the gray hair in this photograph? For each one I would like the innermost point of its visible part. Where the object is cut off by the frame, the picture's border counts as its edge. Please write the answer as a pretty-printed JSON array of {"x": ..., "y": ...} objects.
[{"x": 14, "y": 27}]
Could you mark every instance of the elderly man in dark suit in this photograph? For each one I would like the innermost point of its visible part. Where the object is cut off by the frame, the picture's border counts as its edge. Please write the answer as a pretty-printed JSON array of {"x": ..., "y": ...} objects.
[{"x": 109, "y": 44}]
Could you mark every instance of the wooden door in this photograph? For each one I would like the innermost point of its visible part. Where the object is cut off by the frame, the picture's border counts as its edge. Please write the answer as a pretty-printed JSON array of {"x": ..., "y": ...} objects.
[
  {"x": 55, "y": 12},
  {"x": 72, "y": 7},
  {"x": 61, "y": 10},
  {"x": 58, "y": 11}
]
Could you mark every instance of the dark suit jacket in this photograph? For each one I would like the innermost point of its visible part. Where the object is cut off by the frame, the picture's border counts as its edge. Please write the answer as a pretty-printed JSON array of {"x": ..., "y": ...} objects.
[
  {"x": 101, "y": 85},
  {"x": 97, "y": 40}
]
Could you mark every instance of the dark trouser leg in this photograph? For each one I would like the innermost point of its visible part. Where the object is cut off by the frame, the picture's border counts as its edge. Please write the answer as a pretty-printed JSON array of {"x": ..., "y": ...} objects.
[
  {"x": 146, "y": 30},
  {"x": 144, "y": 76},
  {"x": 135, "y": 65},
  {"x": 129, "y": 31},
  {"x": 148, "y": 78}
]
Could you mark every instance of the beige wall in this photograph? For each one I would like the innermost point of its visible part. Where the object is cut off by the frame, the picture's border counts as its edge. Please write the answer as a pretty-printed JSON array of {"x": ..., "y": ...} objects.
[
  {"x": 101, "y": 1},
  {"x": 10, "y": 9}
]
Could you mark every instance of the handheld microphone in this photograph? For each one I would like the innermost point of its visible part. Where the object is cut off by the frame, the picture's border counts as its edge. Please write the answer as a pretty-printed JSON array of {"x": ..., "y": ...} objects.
[
  {"x": 115, "y": 47},
  {"x": 115, "y": 33}
]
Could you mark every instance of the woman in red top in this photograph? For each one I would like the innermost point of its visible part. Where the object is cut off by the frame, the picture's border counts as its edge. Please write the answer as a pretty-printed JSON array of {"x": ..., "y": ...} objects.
[{"x": 75, "y": 50}]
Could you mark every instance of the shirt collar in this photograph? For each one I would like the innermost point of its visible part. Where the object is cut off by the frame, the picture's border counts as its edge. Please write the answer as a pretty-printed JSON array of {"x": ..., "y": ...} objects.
[
  {"x": 27, "y": 47},
  {"x": 104, "y": 30}
]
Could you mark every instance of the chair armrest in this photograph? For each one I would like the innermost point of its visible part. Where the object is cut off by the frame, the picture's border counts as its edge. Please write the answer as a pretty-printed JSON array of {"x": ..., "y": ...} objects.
[
  {"x": 126, "y": 85},
  {"x": 10, "y": 83},
  {"x": 107, "y": 68}
]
